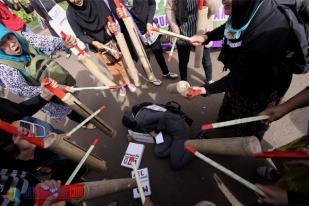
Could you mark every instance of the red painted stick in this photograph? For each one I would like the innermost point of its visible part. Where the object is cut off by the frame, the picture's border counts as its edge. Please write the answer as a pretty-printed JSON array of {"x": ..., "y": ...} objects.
[
  {"x": 66, "y": 192},
  {"x": 55, "y": 90},
  {"x": 200, "y": 4},
  {"x": 282, "y": 154},
  {"x": 14, "y": 131},
  {"x": 117, "y": 3}
]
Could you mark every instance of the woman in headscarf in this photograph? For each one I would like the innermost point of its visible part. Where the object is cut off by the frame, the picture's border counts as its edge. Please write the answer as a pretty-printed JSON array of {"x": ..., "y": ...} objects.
[
  {"x": 257, "y": 41},
  {"x": 89, "y": 22},
  {"x": 24, "y": 62}
]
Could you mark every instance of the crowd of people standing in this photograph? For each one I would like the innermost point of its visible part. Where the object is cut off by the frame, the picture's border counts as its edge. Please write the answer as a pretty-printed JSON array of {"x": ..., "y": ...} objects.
[{"x": 265, "y": 42}]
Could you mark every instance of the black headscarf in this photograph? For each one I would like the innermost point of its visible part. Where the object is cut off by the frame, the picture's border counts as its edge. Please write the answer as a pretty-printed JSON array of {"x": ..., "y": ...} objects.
[
  {"x": 242, "y": 11},
  {"x": 92, "y": 15}
]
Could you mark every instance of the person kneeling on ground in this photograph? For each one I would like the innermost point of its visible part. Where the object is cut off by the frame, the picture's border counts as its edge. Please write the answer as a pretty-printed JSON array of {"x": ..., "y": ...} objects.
[{"x": 154, "y": 119}]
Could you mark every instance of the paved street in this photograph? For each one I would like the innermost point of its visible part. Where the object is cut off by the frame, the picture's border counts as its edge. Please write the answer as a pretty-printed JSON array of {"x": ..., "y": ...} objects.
[{"x": 195, "y": 182}]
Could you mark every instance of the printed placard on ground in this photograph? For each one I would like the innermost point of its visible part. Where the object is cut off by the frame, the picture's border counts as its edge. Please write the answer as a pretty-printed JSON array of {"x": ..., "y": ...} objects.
[{"x": 144, "y": 177}]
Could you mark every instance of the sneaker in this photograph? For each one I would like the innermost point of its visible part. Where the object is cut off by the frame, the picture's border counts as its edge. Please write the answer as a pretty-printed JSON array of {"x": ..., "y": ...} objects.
[
  {"x": 132, "y": 87},
  {"x": 210, "y": 82},
  {"x": 156, "y": 82},
  {"x": 268, "y": 173},
  {"x": 170, "y": 75},
  {"x": 122, "y": 91}
]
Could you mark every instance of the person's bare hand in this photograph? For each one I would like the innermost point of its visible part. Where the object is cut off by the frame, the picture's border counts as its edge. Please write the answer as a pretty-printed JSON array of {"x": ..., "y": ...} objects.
[
  {"x": 52, "y": 186},
  {"x": 175, "y": 29},
  {"x": 273, "y": 196},
  {"x": 112, "y": 27},
  {"x": 20, "y": 142},
  {"x": 194, "y": 91},
  {"x": 198, "y": 40},
  {"x": 70, "y": 41},
  {"x": 149, "y": 29},
  {"x": 120, "y": 13},
  {"x": 148, "y": 202},
  {"x": 274, "y": 113},
  {"x": 26, "y": 149},
  {"x": 46, "y": 94}
]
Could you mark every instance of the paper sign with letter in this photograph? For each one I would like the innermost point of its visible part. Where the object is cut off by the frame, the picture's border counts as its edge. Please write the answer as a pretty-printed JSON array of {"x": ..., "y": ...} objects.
[
  {"x": 144, "y": 177},
  {"x": 134, "y": 151}
]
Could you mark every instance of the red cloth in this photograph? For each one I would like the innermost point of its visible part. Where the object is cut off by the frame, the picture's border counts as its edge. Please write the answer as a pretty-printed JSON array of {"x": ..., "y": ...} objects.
[{"x": 9, "y": 20}]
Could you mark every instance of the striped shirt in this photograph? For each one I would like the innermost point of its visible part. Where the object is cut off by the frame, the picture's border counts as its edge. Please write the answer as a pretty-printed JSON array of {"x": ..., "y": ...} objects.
[
  {"x": 12, "y": 179},
  {"x": 188, "y": 28}
]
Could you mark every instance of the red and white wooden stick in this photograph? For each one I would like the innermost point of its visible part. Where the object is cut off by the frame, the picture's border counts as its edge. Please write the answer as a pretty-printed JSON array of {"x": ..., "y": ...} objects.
[
  {"x": 224, "y": 170},
  {"x": 82, "y": 161},
  {"x": 173, "y": 34},
  {"x": 234, "y": 122}
]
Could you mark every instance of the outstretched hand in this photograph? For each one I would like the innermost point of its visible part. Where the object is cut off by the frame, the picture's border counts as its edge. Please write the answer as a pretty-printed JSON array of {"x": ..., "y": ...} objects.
[
  {"x": 274, "y": 113},
  {"x": 70, "y": 41},
  {"x": 273, "y": 196},
  {"x": 198, "y": 40},
  {"x": 195, "y": 91},
  {"x": 51, "y": 186}
]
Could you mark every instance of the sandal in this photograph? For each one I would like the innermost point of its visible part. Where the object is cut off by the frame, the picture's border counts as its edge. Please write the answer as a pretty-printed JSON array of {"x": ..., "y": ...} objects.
[{"x": 268, "y": 173}]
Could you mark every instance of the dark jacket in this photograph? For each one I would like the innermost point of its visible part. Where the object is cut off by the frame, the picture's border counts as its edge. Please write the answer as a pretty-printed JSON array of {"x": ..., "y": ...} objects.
[
  {"x": 143, "y": 12},
  {"x": 168, "y": 123},
  {"x": 258, "y": 67},
  {"x": 11, "y": 111}
]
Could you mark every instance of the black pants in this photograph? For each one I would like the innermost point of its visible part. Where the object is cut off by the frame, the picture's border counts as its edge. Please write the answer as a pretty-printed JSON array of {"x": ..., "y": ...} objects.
[
  {"x": 175, "y": 150},
  {"x": 156, "y": 49},
  {"x": 184, "y": 55}
]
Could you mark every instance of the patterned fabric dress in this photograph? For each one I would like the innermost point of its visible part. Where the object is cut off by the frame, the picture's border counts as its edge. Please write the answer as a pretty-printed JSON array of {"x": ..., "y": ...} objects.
[{"x": 13, "y": 80}]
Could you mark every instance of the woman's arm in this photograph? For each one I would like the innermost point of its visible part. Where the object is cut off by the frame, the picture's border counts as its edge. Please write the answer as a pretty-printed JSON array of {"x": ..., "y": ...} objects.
[
  {"x": 45, "y": 44},
  {"x": 170, "y": 14},
  {"x": 16, "y": 83}
]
